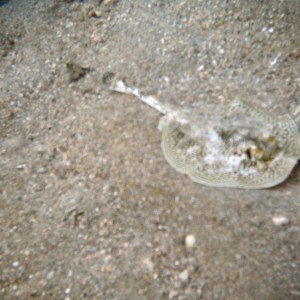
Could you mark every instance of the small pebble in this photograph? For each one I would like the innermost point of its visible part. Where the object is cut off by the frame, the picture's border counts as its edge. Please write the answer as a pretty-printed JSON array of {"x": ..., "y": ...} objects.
[
  {"x": 280, "y": 220},
  {"x": 15, "y": 264},
  {"x": 21, "y": 167},
  {"x": 184, "y": 276},
  {"x": 110, "y": 2},
  {"x": 95, "y": 13},
  {"x": 190, "y": 241},
  {"x": 40, "y": 170}
]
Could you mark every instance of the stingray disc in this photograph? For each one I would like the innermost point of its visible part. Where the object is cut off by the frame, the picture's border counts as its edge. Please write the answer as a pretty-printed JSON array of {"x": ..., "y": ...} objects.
[{"x": 238, "y": 155}]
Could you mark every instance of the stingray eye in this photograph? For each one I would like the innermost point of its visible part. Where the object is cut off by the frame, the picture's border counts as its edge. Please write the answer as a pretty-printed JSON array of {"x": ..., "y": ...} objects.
[
  {"x": 248, "y": 154},
  {"x": 273, "y": 142}
]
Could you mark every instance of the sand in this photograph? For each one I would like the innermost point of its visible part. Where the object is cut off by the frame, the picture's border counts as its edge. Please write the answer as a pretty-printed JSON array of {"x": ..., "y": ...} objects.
[{"x": 89, "y": 208}]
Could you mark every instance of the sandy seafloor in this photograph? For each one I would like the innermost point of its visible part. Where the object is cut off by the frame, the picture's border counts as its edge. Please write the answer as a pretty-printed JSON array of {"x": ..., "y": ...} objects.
[{"x": 90, "y": 209}]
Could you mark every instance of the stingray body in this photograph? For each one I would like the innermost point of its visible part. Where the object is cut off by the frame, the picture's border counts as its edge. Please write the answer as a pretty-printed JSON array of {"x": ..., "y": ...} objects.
[{"x": 231, "y": 145}]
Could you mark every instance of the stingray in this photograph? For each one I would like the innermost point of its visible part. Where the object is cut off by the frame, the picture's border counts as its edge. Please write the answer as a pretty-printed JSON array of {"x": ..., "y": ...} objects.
[{"x": 224, "y": 145}]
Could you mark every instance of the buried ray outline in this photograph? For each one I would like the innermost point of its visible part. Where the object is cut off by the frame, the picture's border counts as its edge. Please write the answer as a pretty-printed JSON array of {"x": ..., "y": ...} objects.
[{"x": 235, "y": 145}]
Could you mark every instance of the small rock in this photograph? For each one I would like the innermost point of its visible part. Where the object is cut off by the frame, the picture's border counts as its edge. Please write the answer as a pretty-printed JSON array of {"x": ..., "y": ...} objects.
[
  {"x": 190, "y": 241},
  {"x": 15, "y": 264},
  {"x": 184, "y": 276},
  {"x": 280, "y": 220},
  {"x": 95, "y": 13},
  {"x": 21, "y": 167},
  {"x": 110, "y": 2},
  {"x": 40, "y": 170}
]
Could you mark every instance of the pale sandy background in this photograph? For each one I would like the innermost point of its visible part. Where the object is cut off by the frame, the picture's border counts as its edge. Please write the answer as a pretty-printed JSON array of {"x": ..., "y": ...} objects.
[{"x": 90, "y": 209}]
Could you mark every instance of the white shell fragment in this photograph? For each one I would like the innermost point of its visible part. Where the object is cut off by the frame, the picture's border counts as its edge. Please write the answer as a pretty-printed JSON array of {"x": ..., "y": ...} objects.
[{"x": 225, "y": 145}]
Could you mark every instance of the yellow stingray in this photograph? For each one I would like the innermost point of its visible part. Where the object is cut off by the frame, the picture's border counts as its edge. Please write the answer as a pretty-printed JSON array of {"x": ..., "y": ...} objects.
[{"x": 233, "y": 145}]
